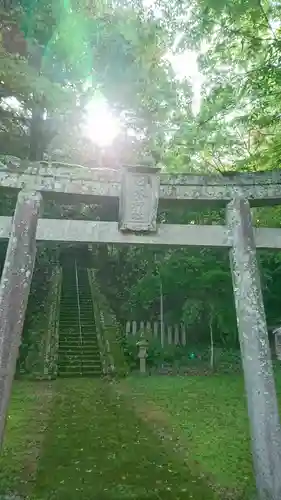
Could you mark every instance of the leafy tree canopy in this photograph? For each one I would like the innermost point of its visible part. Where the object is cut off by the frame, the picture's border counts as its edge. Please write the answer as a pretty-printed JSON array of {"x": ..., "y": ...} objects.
[{"x": 55, "y": 56}]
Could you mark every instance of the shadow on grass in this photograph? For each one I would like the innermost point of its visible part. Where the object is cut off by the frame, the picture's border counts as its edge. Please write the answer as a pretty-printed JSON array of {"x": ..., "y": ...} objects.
[
  {"x": 24, "y": 433},
  {"x": 208, "y": 416},
  {"x": 96, "y": 447}
]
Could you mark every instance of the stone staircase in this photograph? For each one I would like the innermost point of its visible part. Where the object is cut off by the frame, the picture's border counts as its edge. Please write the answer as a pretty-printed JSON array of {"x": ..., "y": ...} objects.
[{"x": 78, "y": 346}]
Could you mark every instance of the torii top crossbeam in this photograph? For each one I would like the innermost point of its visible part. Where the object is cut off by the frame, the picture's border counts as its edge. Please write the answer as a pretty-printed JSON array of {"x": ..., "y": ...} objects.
[
  {"x": 74, "y": 183},
  {"x": 138, "y": 191}
]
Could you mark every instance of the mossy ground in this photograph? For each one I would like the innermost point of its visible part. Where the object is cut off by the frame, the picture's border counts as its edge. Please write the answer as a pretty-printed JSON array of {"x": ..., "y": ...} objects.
[{"x": 168, "y": 438}]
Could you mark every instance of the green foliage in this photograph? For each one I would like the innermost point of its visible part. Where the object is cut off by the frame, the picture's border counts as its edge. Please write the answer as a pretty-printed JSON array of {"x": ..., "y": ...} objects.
[
  {"x": 197, "y": 287},
  {"x": 238, "y": 45},
  {"x": 177, "y": 359},
  {"x": 157, "y": 356},
  {"x": 56, "y": 57},
  {"x": 50, "y": 52},
  {"x": 130, "y": 278}
]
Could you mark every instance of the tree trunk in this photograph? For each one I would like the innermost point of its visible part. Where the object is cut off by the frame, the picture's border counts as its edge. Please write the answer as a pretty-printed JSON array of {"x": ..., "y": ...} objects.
[
  {"x": 161, "y": 314},
  {"x": 211, "y": 341},
  {"x": 36, "y": 148}
]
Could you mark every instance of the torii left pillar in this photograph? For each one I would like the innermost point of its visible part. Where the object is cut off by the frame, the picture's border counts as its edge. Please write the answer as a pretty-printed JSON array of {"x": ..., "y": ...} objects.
[{"x": 14, "y": 290}]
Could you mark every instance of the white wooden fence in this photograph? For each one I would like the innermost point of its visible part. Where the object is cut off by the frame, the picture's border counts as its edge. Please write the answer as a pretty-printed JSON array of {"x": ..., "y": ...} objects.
[{"x": 172, "y": 334}]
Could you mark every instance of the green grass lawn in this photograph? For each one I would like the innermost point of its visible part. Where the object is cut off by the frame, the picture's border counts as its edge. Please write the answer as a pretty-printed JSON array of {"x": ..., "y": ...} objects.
[
  {"x": 25, "y": 430},
  {"x": 208, "y": 415},
  {"x": 95, "y": 447},
  {"x": 168, "y": 438}
]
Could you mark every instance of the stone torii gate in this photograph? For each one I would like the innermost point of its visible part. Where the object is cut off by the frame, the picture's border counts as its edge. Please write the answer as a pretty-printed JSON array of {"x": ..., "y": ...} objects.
[{"x": 136, "y": 193}]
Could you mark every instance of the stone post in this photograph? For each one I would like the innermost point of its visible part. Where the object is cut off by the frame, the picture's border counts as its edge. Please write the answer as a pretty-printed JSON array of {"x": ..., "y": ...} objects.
[
  {"x": 14, "y": 290},
  {"x": 255, "y": 351},
  {"x": 277, "y": 339},
  {"x": 142, "y": 344}
]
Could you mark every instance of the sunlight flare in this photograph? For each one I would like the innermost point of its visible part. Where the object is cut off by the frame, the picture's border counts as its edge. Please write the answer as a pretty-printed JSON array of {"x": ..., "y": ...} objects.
[{"x": 101, "y": 126}]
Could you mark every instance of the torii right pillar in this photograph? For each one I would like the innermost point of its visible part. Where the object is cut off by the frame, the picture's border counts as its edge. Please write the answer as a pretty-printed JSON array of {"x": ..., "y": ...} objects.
[{"x": 255, "y": 352}]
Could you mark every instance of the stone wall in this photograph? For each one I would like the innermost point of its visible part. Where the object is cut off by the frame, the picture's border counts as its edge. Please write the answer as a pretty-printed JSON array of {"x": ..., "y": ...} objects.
[
  {"x": 109, "y": 332},
  {"x": 41, "y": 359}
]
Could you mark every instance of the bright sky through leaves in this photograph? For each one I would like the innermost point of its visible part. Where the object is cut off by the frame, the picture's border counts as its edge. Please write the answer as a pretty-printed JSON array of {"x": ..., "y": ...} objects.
[{"x": 102, "y": 127}]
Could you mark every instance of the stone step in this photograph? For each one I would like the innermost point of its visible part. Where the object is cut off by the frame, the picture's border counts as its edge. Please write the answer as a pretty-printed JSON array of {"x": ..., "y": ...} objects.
[
  {"x": 75, "y": 340},
  {"x": 79, "y": 375},
  {"x": 78, "y": 370},
  {"x": 84, "y": 319},
  {"x": 78, "y": 363},
  {"x": 78, "y": 366},
  {"x": 93, "y": 346},
  {"x": 91, "y": 366},
  {"x": 73, "y": 351},
  {"x": 91, "y": 374},
  {"x": 75, "y": 330},
  {"x": 89, "y": 326},
  {"x": 87, "y": 339},
  {"x": 79, "y": 353},
  {"x": 77, "y": 344},
  {"x": 72, "y": 357}
]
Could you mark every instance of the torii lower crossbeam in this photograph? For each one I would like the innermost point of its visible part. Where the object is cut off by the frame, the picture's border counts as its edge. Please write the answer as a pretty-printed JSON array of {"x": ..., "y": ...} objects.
[{"x": 171, "y": 235}]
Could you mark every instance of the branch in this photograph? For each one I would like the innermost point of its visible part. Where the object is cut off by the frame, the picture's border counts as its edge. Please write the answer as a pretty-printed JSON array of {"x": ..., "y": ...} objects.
[{"x": 266, "y": 18}]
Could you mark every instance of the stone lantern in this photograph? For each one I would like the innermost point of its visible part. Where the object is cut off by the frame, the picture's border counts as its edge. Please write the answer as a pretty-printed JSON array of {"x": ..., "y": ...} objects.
[
  {"x": 142, "y": 345},
  {"x": 139, "y": 198}
]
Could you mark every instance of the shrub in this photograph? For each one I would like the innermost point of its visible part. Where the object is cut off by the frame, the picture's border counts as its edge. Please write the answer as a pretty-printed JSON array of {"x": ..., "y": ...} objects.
[{"x": 177, "y": 356}]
